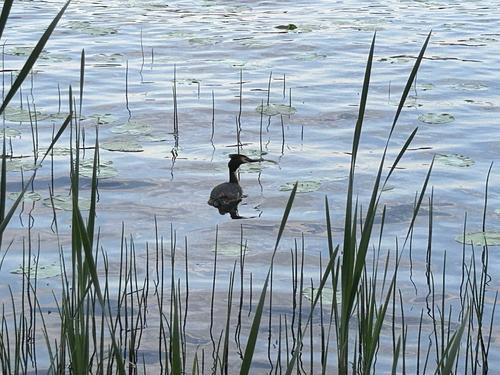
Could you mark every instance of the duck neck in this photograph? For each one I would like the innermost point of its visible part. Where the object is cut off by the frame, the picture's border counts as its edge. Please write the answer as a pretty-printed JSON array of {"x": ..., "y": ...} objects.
[{"x": 233, "y": 178}]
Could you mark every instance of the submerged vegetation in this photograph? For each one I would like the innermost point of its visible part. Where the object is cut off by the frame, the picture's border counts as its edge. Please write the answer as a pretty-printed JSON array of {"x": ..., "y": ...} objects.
[{"x": 139, "y": 314}]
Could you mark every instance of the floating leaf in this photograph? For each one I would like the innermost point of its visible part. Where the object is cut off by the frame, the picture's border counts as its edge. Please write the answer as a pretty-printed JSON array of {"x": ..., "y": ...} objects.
[
  {"x": 426, "y": 86},
  {"x": 471, "y": 86},
  {"x": 275, "y": 109},
  {"x": 41, "y": 271},
  {"x": 65, "y": 202},
  {"x": 16, "y": 165},
  {"x": 311, "y": 56},
  {"x": 326, "y": 295},
  {"x": 454, "y": 160},
  {"x": 153, "y": 138},
  {"x": 490, "y": 238},
  {"x": 101, "y": 118},
  {"x": 288, "y": 27},
  {"x": 230, "y": 249},
  {"x": 89, "y": 28},
  {"x": 28, "y": 197},
  {"x": 22, "y": 115},
  {"x": 303, "y": 186},
  {"x": 132, "y": 128},
  {"x": 56, "y": 151},
  {"x": 436, "y": 118},
  {"x": 10, "y": 133},
  {"x": 105, "y": 169},
  {"x": 122, "y": 146}
]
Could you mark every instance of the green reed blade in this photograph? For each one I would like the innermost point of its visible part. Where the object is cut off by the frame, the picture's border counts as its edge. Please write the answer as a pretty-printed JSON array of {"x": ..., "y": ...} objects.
[
  {"x": 396, "y": 357},
  {"x": 3, "y": 186},
  {"x": 5, "y": 15},
  {"x": 32, "y": 58},
  {"x": 175, "y": 340},
  {"x": 409, "y": 82},
  {"x": 324, "y": 279},
  {"x": 254, "y": 330},
  {"x": 446, "y": 365},
  {"x": 81, "y": 231}
]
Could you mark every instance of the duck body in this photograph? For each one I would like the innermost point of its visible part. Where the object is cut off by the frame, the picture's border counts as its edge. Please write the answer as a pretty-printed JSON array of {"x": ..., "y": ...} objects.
[{"x": 226, "y": 196}]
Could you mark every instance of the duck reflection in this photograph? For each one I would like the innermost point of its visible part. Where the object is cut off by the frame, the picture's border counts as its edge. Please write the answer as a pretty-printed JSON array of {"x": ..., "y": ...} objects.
[{"x": 227, "y": 196}]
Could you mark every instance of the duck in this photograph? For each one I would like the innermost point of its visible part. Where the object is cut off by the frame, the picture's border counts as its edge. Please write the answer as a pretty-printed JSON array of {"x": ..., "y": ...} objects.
[{"x": 226, "y": 196}]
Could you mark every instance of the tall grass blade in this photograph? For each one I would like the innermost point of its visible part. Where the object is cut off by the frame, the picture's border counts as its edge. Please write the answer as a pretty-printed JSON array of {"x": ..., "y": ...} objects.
[
  {"x": 254, "y": 330},
  {"x": 175, "y": 340},
  {"x": 324, "y": 279},
  {"x": 447, "y": 362},
  {"x": 32, "y": 58},
  {"x": 5, "y": 15},
  {"x": 10, "y": 213}
]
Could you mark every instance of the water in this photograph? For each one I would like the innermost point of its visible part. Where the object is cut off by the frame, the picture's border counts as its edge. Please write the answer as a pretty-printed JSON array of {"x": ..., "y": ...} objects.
[{"x": 455, "y": 105}]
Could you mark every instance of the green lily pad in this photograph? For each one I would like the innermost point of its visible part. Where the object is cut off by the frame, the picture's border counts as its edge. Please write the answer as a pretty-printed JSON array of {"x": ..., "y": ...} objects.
[
  {"x": 454, "y": 160},
  {"x": 426, "y": 86},
  {"x": 105, "y": 169},
  {"x": 303, "y": 186},
  {"x": 490, "y": 238},
  {"x": 132, "y": 128},
  {"x": 436, "y": 118},
  {"x": 42, "y": 271},
  {"x": 275, "y": 109},
  {"x": 56, "y": 151},
  {"x": 101, "y": 118},
  {"x": 25, "y": 51},
  {"x": 122, "y": 146},
  {"x": 10, "y": 133},
  {"x": 13, "y": 114},
  {"x": 471, "y": 86},
  {"x": 326, "y": 295},
  {"x": 28, "y": 197},
  {"x": 230, "y": 249},
  {"x": 90, "y": 28},
  {"x": 288, "y": 27},
  {"x": 16, "y": 165},
  {"x": 65, "y": 203},
  {"x": 153, "y": 138},
  {"x": 311, "y": 56}
]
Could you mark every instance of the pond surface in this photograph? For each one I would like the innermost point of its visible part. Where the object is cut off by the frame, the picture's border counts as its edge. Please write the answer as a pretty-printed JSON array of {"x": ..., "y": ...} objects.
[{"x": 312, "y": 56}]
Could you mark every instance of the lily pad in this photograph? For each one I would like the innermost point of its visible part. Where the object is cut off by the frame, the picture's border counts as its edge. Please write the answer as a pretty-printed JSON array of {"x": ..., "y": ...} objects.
[
  {"x": 436, "y": 118},
  {"x": 28, "y": 197},
  {"x": 122, "y": 146},
  {"x": 426, "y": 86},
  {"x": 56, "y": 151},
  {"x": 311, "y": 56},
  {"x": 303, "y": 186},
  {"x": 490, "y": 238},
  {"x": 90, "y": 28},
  {"x": 132, "y": 128},
  {"x": 16, "y": 165},
  {"x": 471, "y": 86},
  {"x": 289, "y": 27},
  {"x": 105, "y": 169},
  {"x": 10, "y": 133},
  {"x": 230, "y": 249},
  {"x": 13, "y": 114},
  {"x": 101, "y": 118},
  {"x": 275, "y": 109},
  {"x": 65, "y": 202},
  {"x": 326, "y": 295},
  {"x": 42, "y": 271},
  {"x": 153, "y": 138},
  {"x": 25, "y": 51},
  {"x": 454, "y": 160}
]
